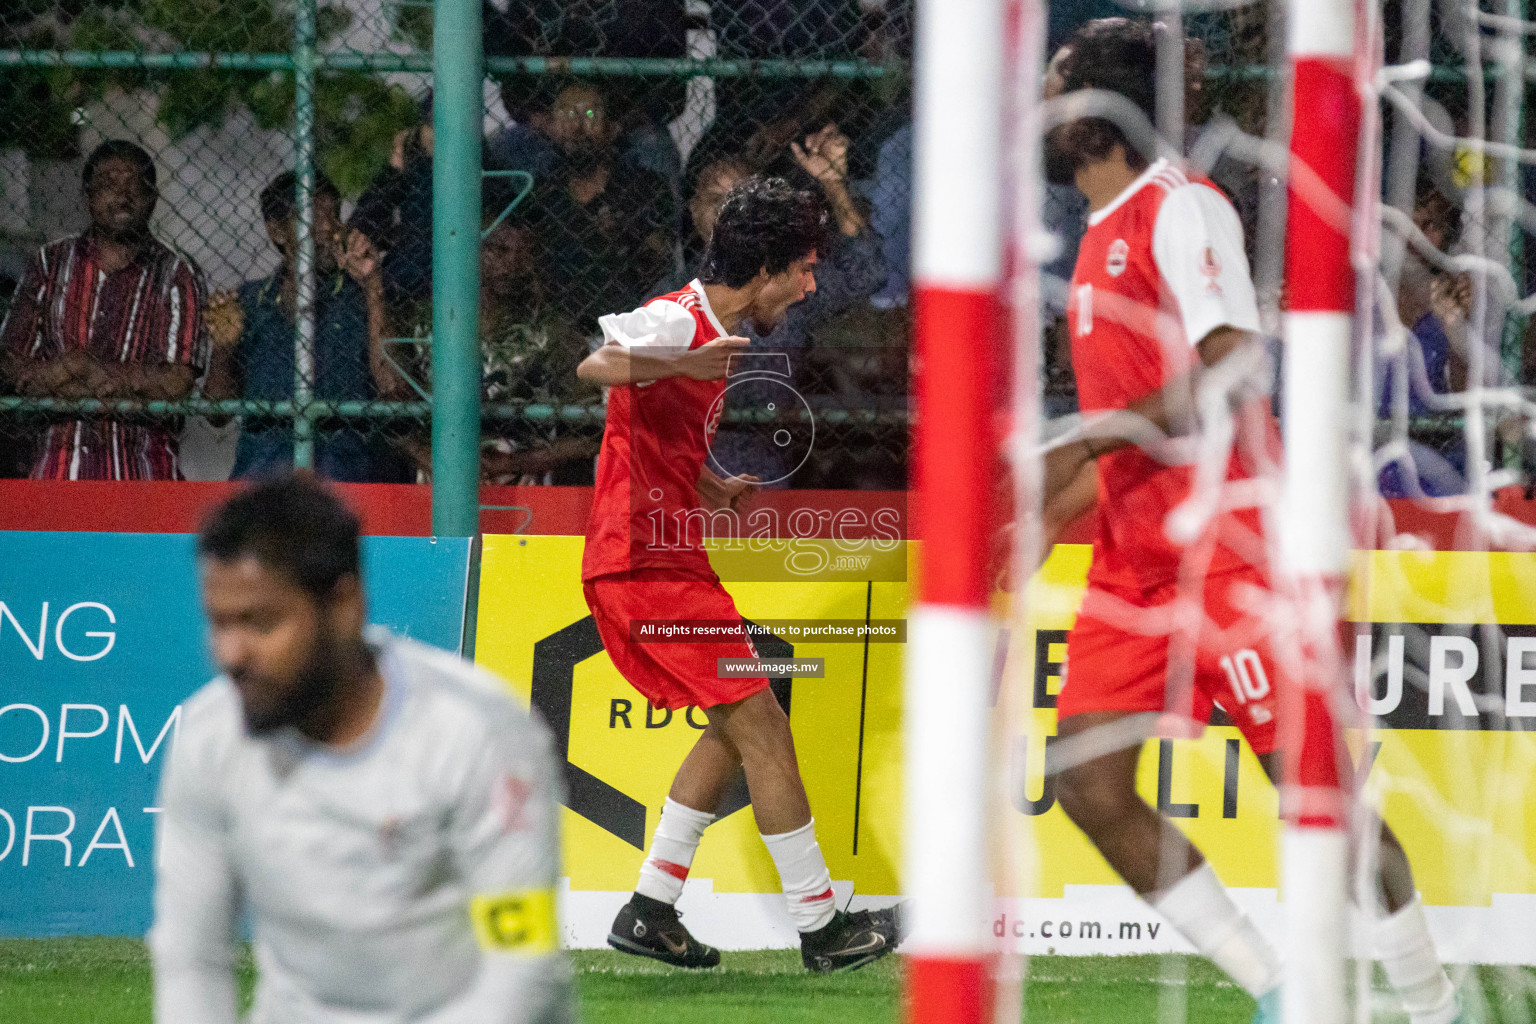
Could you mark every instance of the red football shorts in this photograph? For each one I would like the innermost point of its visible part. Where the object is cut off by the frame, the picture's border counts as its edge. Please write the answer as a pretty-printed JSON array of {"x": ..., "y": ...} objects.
[
  {"x": 1119, "y": 651},
  {"x": 670, "y": 674}
]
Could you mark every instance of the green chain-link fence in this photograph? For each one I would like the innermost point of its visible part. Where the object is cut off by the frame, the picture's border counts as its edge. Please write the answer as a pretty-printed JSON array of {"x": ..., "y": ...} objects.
[{"x": 606, "y": 129}]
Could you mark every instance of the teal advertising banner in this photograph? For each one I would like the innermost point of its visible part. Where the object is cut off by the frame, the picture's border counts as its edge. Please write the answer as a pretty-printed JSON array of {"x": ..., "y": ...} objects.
[{"x": 101, "y": 638}]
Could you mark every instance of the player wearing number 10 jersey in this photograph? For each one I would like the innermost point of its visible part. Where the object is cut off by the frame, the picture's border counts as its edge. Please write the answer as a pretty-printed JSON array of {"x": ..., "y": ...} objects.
[{"x": 1160, "y": 298}]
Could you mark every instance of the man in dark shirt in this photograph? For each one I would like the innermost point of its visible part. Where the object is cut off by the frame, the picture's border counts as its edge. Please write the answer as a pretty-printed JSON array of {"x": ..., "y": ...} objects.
[
  {"x": 589, "y": 28},
  {"x": 602, "y": 223},
  {"x": 109, "y": 314},
  {"x": 253, "y": 334}
]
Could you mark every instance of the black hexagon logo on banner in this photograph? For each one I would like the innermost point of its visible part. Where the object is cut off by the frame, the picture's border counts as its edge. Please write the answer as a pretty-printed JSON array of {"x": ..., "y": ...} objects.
[{"x": 554, "y": 679}]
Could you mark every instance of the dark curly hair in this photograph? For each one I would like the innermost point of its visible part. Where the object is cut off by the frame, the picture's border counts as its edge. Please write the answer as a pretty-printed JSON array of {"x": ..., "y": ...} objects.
[
  {"x": 765, "y": 224},
  {"x": 1117, "y": 55}
]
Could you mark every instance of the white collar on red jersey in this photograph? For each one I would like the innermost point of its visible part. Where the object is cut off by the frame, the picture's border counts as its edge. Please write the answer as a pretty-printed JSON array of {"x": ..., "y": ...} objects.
[
  {"x": 1157, "y": 167},
  {"x": 698, "y": 289}
]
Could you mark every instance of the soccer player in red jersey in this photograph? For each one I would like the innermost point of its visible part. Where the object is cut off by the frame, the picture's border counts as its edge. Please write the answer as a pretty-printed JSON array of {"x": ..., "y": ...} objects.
[
  {"x": 665, "y": 366},
  {"x": 1160, "y": 297}
]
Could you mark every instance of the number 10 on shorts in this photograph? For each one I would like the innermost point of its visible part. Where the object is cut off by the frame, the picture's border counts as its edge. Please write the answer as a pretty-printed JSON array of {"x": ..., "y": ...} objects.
[{"x": 1245, "y": 673}]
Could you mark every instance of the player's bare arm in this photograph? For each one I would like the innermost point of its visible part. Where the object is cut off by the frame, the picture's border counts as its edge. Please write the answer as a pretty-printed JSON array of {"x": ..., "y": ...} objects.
[
  {"x": 614, "y": 364},
  {"x": 1171, "y": 409},
  {"x": 1076, "y": 497}
]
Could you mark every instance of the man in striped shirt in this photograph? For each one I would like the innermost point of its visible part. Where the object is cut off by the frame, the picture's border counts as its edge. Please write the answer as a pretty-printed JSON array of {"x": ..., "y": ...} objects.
[{"x": 110, "y": 314}]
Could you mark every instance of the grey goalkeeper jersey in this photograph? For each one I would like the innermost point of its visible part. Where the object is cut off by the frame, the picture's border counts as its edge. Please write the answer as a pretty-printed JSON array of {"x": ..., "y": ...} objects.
[{"x": 409, "y": 878}]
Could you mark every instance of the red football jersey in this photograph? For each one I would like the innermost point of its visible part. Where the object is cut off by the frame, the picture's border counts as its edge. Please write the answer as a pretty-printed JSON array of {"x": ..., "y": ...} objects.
[
  {"x": 654, "y": 445},
  {"x": 1158, "y": 269}
]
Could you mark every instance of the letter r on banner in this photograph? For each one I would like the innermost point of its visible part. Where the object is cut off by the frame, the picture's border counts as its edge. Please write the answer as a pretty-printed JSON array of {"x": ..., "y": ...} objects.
[
  {"x": 51, "y": 837},
  {"x": 1443, "y": 675}
]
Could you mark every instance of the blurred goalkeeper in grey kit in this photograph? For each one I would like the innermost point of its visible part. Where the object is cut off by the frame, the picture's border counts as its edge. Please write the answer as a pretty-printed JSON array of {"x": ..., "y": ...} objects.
[{"x": 385, "y": 815}]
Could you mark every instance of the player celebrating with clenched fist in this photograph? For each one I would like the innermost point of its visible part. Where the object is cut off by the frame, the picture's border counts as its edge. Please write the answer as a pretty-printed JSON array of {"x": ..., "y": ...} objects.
[{"x": 665, "y": 364}]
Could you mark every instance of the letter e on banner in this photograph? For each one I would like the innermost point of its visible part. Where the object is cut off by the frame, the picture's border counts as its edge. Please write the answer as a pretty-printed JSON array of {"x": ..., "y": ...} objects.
[{"x": 1517, "y": 677}]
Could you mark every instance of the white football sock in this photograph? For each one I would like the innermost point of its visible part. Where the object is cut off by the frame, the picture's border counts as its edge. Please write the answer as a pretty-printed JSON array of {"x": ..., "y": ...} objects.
[
  {"x": 1200, "y": 909},
  {"x": 1407, "y": 953},
  {"x": 803, "y": 874},
  {"x": 672, "y": 849}
]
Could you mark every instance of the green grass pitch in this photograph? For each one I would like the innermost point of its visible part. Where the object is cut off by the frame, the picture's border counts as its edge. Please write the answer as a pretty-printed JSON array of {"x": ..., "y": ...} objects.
[{"x": 107, "y": 981}]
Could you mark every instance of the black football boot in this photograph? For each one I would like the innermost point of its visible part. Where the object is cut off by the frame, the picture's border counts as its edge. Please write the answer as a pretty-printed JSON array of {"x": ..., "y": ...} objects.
[{"x": 647, "y": 927}]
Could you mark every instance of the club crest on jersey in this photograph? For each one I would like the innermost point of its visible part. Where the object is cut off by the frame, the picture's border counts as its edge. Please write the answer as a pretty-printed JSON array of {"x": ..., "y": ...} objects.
[
  {"x": 1119, "y": 255},
  {"x": 509, "y": 801},
  {"x": 1210, "y": 269}
]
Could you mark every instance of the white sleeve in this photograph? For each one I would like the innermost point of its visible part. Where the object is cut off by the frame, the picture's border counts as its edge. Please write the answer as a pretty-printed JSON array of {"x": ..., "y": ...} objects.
[
  {"x": 193, "y": 937},
  {"x": 1197, "y": 244},
  {"x": 506, "y": 841},
  {"x": 660, "y": 324}
]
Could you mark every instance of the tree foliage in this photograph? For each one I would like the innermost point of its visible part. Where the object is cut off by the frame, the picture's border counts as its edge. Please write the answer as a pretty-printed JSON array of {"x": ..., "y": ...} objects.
[{"x": 356, "y": 114}]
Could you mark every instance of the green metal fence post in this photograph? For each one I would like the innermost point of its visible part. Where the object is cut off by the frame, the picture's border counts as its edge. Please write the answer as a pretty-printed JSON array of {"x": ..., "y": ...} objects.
[
  {"x": 457, "y": 115},
  {"x": 304, "y": 234}
]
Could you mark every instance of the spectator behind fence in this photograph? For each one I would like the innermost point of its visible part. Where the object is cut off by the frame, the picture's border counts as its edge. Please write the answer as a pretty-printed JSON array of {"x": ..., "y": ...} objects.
[
  {"x": 112, "y": 314},
  {"x": 253, "y": 335},
  {"x": 529, "y": 351},
  {"x": 589, "y": 28},
  {"x": 395, "y": 212},
  {"x": 778, "y": 30},
  {"x": 891, "y": 213},
  {"x": 849, "y": 272},
  {"x": 1433, "y": 306},
  {"x": 601, "y": 222},
  {"x": 15, "y": 447}
]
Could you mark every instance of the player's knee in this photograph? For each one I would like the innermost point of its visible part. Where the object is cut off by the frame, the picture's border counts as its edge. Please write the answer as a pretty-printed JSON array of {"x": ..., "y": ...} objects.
[
  {"x": 715, "y": 733},
  {"x": 1090, "y": 799},
  {"x": 760, "y": 733},
  {"x": 773, "y": 743}
]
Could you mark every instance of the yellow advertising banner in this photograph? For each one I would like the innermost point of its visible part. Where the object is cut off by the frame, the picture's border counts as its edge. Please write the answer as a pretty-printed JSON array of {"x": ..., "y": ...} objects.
[
  {"x": 534, "y": 630},
  {"x": 1445, "y": 659}
]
